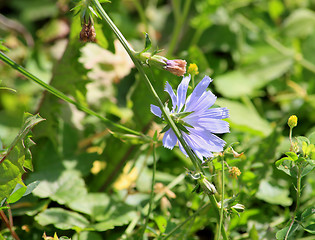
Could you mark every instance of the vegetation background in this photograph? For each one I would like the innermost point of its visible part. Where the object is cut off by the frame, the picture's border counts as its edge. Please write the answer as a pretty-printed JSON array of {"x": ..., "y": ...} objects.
[{"x": 94, "y": 179}]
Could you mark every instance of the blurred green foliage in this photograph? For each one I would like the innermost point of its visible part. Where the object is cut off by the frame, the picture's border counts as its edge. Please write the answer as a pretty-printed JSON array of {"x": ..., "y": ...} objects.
[{"x": 95, "y": 183}]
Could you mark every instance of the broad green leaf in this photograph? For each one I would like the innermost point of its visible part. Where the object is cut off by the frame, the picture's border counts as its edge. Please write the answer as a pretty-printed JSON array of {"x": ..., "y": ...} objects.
[
  {"x": 63, "y": 188},
  {"x": 300, "y": 23},
  {"x": 116, "y": 214},
  {"x": 273, "y": 194},
  {"x": 91, "y": 203},
  {"x": 245, "y": 119},
  {"x": 311, "y": 137},
  {"x": 62, "y": 219},
  {"x": 18, "y": 156},
  {"x": 249, "y": 79}
]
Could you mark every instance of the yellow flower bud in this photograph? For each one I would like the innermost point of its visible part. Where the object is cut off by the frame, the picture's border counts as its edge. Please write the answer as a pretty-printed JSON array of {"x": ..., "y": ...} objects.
[
  {"x": 292, "y": 122},
  {"x": 193, "y": 69}
]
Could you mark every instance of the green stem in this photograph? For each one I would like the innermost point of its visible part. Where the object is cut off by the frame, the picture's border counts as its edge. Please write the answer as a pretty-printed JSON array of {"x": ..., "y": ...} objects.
[
  {"x": 62, "y": 96},
  {"x": 131, "y": 53},
  {"x": 157, "y": 197},
  {"x": 179, "y": 22},
  {"x": 184, "y": 222},
  {"x": 152, "y": 191},
  {"x": 290, "y": 138},
  {"x": 222, "y": 199},
  {"x": 298, "y": 193},
  {"x": 217, "y": 213}
]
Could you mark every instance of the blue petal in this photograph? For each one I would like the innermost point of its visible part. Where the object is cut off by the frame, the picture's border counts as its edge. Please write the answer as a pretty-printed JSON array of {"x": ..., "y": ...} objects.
[
  {"x": 198, "y": 145},
  {"x": 214, "y": 125},
  {"x": 170, "y": 91},
  {"x": 203, "y": 103},
  {"x": 181, "y": 92},
  {"x": 217, "y": 113},
  {"x": 197, "y": 93},
  {"x": 211, "y": 143},
  {"x": 169, "y": 139},
  {"x": 156, "y": 110}
]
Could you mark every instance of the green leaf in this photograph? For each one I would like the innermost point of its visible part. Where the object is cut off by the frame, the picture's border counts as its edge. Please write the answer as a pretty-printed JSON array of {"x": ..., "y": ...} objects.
[
  {"x": 245, "y": 119},
  {"x": 307, "y": 169},
  {"x": 87, "y": 236},
  {"x": 115, "y": 214},
  {"x": 265, "y": 65},
  {"x": 147, "y": 44},
  {"x": 63, "y": 188},
  {"x": 91, "y": 203},
  {"x": 292, "y": 155},
  {"x": 273, "y": 194},
  {"x": 161, "y": 222},
  {"x": 62, "y": 219},
  {"x": 307, "y": 212},
  {"x": 282, "y": 233},
  {"x": 17, "y": 193},
  {"x": 253, "y": 233},
  {"x": 287, "y": 166},
  {"x": 310, "y": 228},
  {"x": 17, "y": 157},
  {"x": 311, "y": 137},
  {"x": 300, "y": 23}
]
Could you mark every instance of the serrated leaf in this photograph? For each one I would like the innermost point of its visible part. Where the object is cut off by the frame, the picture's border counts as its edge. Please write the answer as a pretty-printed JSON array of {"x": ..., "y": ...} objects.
[
  {"x": 17, "y": 157},
  {"x": 62, "y": 219}
]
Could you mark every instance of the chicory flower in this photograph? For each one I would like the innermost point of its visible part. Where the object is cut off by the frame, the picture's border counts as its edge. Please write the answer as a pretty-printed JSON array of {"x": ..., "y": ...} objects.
[{"x": 194, "y": 118}]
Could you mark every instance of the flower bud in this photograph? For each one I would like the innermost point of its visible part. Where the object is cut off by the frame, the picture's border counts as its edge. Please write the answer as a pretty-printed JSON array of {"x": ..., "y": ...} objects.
[
  {"x": 177, "y": 67},
  {"x": 235, "y": 172},
  {"x": 208, "y": 186},
  {"x": 193, "y": 69},
  {"x": 292, "y": 122},
  {"x": 87, "y": 33}
]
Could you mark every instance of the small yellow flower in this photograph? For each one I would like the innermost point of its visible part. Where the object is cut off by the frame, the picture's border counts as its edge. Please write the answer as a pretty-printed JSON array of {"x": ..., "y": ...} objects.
[
  {"x": 193, "y": 69},
  {"x": 292, "y": 122},
  {"x": 235, "y": 172}
]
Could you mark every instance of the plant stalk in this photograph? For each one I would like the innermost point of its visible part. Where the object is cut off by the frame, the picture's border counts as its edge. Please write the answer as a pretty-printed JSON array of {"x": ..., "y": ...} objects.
[
  {"x": 62, "y": 96},
  {"x": 131, "y": 53}
]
